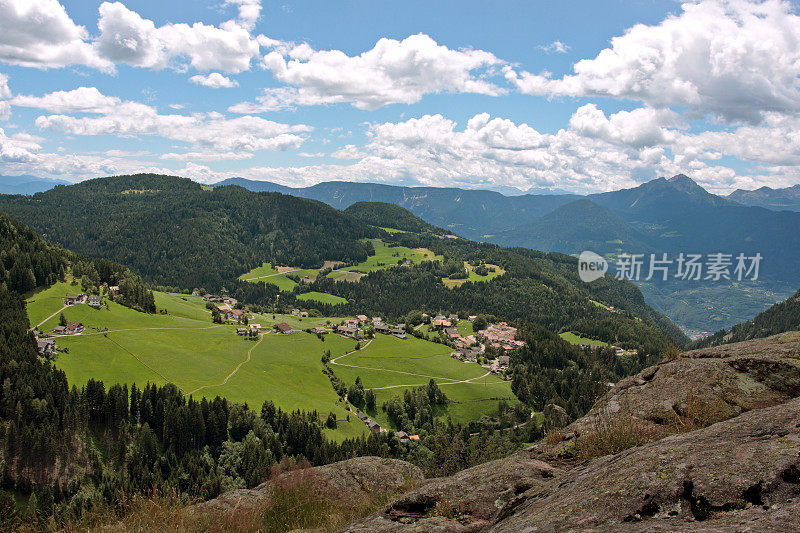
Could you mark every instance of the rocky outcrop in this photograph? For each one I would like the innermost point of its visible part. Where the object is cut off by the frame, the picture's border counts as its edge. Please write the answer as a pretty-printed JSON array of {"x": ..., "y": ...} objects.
[
  {"x": 467, "y": 501},
  {"x": 704, "y": 386},
  {"x": 731, "y": 461},
  {"x": 733, "y": 472},
  {"x": 360, "y": 477}
]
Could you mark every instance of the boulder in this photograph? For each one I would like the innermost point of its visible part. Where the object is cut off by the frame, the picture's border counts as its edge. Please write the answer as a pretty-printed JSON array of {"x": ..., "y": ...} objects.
[
  {"x": 465, "y": 502},
  {"x": 360, "y": 477},
  {"x": 555, "y": 415}
]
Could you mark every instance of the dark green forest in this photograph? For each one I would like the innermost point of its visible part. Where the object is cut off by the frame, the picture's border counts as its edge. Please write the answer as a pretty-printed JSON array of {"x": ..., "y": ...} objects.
[
  {"x": 174, "y": 232},
  {"x": 380, "y": 214}
]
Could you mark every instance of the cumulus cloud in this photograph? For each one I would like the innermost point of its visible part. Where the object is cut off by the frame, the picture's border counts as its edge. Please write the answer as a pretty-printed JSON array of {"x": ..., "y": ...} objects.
[
  {"x": 206, "y": 131},
  {"x": 127, "y": 37},
  {"x": 80, "y": 100},
  {"x": 249, "y": 11},
  {"x": 40, "y": 34},
  {"x": 215, "y": 80},
  {"x": 391, "y": 72},
  {"x": 735, "y": 59}
]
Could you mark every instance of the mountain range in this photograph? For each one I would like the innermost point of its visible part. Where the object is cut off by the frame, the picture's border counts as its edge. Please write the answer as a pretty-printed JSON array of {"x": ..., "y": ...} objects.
[
  {"x": 26, "y": 184},
  {"x": 665, "y": 215}
]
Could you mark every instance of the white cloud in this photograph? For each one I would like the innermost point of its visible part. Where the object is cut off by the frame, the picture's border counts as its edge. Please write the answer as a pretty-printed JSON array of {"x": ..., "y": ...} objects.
[
  {"x": 209, "y": 131},
  {"x": 18, "y": 148},
  {"x": 40, "y": 34},
  {"x": 215, "y": 80},
  {"x": 126, "y": 37},
  {"x": 391, "y": 72},
  {"x": 5, "y": 92},
  {"x": 735, "y": 59},
  {"x": 249, "y": 12},
  {"x": 638, "y": 128},
  {"x": 349, "y": 151},
  {"x": 207, "y": 156},
  {"x": 556, "y": 47},
  {"x": 80, "y": 100}
]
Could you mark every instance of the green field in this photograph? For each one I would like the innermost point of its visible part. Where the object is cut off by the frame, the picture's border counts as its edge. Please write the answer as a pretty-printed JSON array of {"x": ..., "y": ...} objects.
[
  {"x": 181, "y": 345},
  {"x": 267, "y": 274},
  {"x": 576, "y": 339},
  {"x": 322, "y": 297},
  {"x": 386, "y": 255},
  {"x": 472, "y": 276},
  {"x": 389, "y": 366}
]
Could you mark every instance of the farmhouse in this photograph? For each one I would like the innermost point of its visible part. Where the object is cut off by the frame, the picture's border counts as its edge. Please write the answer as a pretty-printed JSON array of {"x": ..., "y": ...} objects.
[
  {"x": 402, "y": 435},
  {"x": 237, "y": 313},
  {"x": 72, "y": 328},
  {"x": 283, "y": 327},
  {"x": 303, "y": 314},
  {"x": 373, "y": 426},
  {"x": 362, "y": 318},
  {"x": 399, "y": 333},
  {"x": 348, "y": 332},
  {"x": 255, "y": 327},
  {"x": 95, "y": 301},
  {"x": 453, "y": 318},
  {"x": 496, "y": 333},
  {"x": 503, "y": 361},
  {"x": 452, "y": 333},
  {"x": 351, "y": 323},
  {"x": 224, "y": 309},
  {"x": 382, "y": 328},
  {"x": 319, "y": 330},
  {"x": 46, "y": 347},
  {"x": 74, "y": 299},
  {"x": 295, "y": 312},
  {"x": 376, "y": 320},
  {"x": 440, "y": 323}
]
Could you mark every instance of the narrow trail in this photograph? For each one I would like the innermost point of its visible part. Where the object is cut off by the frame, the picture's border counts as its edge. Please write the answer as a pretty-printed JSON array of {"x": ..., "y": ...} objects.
[
  {"x": 270, "y": 275},
  {"x": 48, "y": 318},
  {"x": 450, "y": 382},
  {"x": 446, "y": 381},
  {"x": 103, "y": 332},
  {"x": 235, "y": 370},
  {"x": 150, "y": 368}
]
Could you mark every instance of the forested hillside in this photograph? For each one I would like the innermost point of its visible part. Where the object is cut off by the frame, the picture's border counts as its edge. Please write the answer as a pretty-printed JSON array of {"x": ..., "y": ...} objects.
[
  {"x": 381, "y": 214},
  {"x": 174, "y": 232},
  {"x": 781, "y": 317}
]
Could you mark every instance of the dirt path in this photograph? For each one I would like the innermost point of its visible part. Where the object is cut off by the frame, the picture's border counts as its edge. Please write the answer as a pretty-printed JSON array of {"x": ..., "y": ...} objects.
[
  {"x": 103, "y": 332},
  {"x": 447, "y": 381},
  {"x": 48, "y": 318},
  {"x": 150, "y": 368},
  {"x": 235, "y": 370},
  {"x": 450, "y": 382},
  {"x": 270, "y": 275}
]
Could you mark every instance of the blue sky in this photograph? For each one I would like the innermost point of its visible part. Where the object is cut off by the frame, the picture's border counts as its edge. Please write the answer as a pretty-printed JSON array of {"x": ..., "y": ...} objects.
[{"x": 579, "y": 96}]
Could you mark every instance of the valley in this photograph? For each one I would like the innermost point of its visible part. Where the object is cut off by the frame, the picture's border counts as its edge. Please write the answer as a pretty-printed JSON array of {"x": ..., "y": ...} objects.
[{"x": 181, "y": 345}]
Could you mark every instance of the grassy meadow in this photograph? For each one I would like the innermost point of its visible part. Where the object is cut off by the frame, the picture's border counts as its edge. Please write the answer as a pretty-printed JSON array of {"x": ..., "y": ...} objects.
[
  {"x": 450, "y": 283},
  {"x": 181, "y": 345}
]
